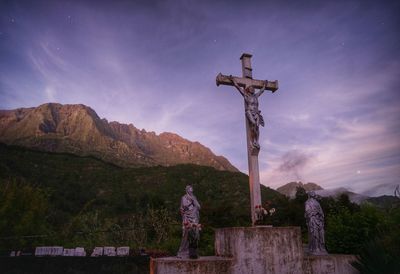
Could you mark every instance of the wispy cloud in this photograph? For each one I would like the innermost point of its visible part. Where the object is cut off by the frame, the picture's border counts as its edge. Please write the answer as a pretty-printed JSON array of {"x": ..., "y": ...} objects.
[{"x": 334, "y": 120}]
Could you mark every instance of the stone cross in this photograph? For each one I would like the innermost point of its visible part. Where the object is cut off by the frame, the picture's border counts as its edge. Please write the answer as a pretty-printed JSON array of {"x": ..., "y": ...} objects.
[{"x": 247, "y": 86}]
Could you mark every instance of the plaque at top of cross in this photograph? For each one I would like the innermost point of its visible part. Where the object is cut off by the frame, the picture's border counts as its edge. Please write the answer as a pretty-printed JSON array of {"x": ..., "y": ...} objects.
[{"x": 251, "y": 89}]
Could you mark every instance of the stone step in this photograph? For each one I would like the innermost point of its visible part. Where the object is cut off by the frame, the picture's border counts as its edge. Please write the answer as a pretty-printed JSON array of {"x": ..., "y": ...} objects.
[
  {"x": 202, "y": 265},
  {"x": 329, "y": 264}
]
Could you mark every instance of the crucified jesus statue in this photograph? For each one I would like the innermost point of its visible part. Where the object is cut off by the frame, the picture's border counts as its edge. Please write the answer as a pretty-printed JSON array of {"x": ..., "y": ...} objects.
[{"x": 253, "y": 114}]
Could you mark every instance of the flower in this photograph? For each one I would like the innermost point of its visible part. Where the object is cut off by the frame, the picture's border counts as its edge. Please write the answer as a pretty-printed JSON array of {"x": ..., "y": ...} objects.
[{"x": 189, "y": 225}]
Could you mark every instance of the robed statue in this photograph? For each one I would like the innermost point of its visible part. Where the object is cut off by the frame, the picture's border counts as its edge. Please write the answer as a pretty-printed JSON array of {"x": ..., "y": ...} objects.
[
  {"x": 315, "y": 223},
  {"x": 190, "y": 211}
]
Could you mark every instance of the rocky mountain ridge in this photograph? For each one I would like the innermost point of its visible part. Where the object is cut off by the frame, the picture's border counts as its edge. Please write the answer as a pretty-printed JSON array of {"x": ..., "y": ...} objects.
[{"x": 79, "y": 130}]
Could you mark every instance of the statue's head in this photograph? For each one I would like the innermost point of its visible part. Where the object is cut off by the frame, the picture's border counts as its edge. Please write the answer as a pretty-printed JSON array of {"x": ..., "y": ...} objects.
[
  {"x": 189, "y": 189},
  {"x": 249, "y": 89},
  {"x": 311, "y": 194}
]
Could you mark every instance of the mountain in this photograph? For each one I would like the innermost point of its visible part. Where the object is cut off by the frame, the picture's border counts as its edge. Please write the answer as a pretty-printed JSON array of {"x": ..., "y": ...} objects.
[
  {"x": 381, "y": 189},
  {"x": 77, "y": 129},
  {"x": 336, "y": 192},
  {"x": 289, "y": 189}
]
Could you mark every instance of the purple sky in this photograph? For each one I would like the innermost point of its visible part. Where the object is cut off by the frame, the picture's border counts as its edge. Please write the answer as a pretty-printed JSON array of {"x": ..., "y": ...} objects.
[{"x": 335, "y": 119}]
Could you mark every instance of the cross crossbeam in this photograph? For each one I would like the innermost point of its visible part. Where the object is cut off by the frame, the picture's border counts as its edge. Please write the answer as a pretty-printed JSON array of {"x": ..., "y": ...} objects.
[{"x": 247, "y": 82}]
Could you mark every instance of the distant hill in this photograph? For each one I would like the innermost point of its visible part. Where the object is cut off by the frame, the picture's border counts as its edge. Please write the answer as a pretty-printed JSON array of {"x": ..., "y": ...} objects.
[
  {"x": 336, "y": 192},
  {"x": 77, "y": 129},
  {"x": 381, "y": 189},
  {"x": 384, "y": 201},
  {"x": 289, "y": 189}
]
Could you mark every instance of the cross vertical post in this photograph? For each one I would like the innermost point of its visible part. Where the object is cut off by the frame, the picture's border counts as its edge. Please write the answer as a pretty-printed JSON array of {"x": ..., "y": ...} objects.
[
  {"x": 254, "y": 174},
  {"x": 247, "y": 86}
]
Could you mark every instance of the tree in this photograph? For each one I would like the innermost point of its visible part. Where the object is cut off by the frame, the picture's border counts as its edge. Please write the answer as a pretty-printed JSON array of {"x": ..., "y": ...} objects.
[
  {"x": 23, "y": 214},
  {"x": 347, "y": 231}
]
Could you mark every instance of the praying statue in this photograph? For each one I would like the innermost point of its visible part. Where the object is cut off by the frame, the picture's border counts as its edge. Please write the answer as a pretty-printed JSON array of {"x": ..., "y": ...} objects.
[
  {"x": 191, "y": 227},
  {"x": 315, "y": 223},
  {"x": 253, "y": 114}
]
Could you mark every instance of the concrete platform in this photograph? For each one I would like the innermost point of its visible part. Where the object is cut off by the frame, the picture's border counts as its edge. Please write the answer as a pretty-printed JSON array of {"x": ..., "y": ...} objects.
[
  {"x": 202, "y": 265},
  {"x": 257, "y": 250},
  {"x": 261, "y": 249},
  {"x": 329, "y": 264}
]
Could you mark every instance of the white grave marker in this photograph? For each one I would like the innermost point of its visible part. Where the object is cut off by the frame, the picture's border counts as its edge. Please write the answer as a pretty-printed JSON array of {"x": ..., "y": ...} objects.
[
  {"x": 123, "y": 251},
  {"x": 97, "y": 251},
  {"x": 109, "y": 251},
  {"x": 69, "y": 252},
  {"x": 80, "y": 252}
]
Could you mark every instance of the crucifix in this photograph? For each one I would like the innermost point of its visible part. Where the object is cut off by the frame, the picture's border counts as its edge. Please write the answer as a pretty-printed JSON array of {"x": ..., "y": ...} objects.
[{"x": 247, "y": 87}]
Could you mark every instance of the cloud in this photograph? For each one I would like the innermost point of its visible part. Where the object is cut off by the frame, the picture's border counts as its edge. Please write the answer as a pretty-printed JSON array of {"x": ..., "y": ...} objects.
[
  {"x": 50, "y": 93},
  {"x": 287, "y": 167},
  {"x": 293, "y": 162},
  {"x": 354, "y": 153}
]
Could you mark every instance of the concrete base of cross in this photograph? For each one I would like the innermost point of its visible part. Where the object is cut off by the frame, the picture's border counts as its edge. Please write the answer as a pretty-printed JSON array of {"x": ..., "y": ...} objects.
[
  {"x": 258, "y": 250},
  {"x": 261, "y": 249}
]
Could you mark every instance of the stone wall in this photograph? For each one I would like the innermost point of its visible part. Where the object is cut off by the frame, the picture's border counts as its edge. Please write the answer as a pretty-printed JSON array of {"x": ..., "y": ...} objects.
[
  {"x": 261, "y": 249},
  {"x": 257, "y": 250}
]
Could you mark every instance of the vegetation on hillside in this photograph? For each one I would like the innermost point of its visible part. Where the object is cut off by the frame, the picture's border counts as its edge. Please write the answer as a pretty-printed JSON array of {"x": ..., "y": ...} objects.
[
  {"x": 86, "y": 202},
  {"x": 62, "y": 199}
]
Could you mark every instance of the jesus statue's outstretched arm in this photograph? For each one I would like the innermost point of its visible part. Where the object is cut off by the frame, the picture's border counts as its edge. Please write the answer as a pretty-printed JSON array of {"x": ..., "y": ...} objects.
[
  {"x": 261, "y": 90},
  {"x": 236, "y": 85}
]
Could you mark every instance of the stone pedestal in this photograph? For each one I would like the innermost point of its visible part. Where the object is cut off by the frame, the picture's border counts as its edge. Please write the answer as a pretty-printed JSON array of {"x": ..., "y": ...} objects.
[
  {"x": 261, "y": 249},
  {"x": 203, "y": 265},
  {"x": 329, "y": 264},
  {"x": 257, "y": 250}
]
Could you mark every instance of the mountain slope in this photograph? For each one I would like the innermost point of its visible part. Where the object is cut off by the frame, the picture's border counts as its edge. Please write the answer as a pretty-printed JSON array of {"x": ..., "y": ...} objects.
[
  {"x": 76, "y": 186},
  {"x": 78, "y": 129},
  {"x": 87, "y": 202}
]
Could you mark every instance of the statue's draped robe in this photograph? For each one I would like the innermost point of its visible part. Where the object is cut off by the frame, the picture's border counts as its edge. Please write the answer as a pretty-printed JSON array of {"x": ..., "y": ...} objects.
[
  {"x": 190, "y": 215},
  {"x": 315, "y": 222},
  {"x": 254, "y": 117},
  {"x": 190, "y": 209}
]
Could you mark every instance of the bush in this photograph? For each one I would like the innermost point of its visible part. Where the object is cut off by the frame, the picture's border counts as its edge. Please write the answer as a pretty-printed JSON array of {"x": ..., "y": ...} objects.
[{"x": 381, "y": 254}]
